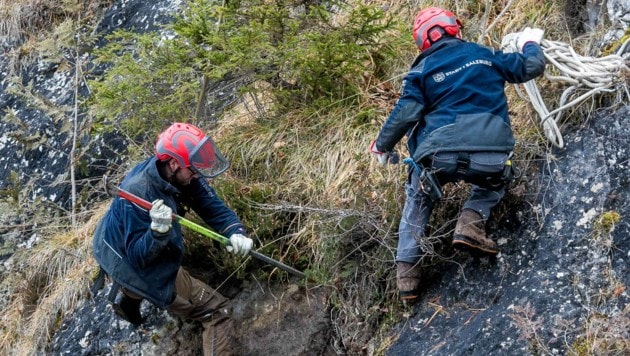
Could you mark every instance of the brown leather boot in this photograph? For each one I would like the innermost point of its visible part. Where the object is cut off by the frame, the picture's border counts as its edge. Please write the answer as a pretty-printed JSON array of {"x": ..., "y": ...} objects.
[
  {"x": 470, "y": 233},
  {"x": 407, "y": 280},
  {"x": 217, "y": 337}
]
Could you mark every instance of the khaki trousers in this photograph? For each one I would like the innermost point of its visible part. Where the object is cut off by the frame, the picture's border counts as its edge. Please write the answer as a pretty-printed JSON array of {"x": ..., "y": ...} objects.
[{"x": 197, "y": 301}]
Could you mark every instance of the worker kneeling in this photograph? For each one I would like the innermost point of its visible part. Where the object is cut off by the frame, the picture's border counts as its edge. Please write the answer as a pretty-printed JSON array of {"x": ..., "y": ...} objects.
[{"x": 142, "y": 251}]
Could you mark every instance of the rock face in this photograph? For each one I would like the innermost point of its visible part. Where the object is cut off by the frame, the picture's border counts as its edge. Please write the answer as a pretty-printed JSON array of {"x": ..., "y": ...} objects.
[
  {"x": 560, "y": 268},
  {"x": 35, "y": 132},
  {"x": 278, "y": 320}
]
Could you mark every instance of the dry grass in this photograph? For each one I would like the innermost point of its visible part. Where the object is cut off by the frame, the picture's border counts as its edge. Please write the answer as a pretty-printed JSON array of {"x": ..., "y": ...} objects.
[
  {"x": 10, "y": 27},
  {"x": 55, "y": 274},
  {"x": 23, "y": 18},
  {"x": 20, "y": 19},
  {"x": 604, "y": 335},
  {"x": 24, "y": 23}
]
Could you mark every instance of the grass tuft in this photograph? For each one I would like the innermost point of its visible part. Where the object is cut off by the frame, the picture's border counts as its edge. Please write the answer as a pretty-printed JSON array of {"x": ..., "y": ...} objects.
[{"x": 55, "y": 275}]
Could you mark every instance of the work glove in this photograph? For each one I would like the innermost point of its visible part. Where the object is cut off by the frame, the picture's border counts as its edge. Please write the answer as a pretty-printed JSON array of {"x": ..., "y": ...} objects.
[
  {"x": 240, "y": 244},
  {"x": 161, "y": 216},
  {"x": 529, "y": 35},
  {"x": 383, "y": 157}
]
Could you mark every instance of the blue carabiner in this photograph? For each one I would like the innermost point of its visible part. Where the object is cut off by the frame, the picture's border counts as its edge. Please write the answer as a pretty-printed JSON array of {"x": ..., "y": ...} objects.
[{"x": 410, "y": 162}]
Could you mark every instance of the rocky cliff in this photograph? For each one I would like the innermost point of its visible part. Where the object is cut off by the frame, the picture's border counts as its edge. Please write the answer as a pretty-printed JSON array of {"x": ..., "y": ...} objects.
[{"x": 559, "y": 283}]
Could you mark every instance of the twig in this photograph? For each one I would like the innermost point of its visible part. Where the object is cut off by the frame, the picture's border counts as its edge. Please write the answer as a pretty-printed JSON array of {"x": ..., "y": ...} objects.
[
  {"x": 505, "y": 8},
  {"x": 437, "y": 311},
  {"x": 75, "y": 124}
]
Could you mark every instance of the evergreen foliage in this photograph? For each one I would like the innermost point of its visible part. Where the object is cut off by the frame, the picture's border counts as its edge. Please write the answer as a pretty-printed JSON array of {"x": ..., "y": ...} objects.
[
  {"x": 309, "y": 55},
  {"x": 151, "y": 82}
]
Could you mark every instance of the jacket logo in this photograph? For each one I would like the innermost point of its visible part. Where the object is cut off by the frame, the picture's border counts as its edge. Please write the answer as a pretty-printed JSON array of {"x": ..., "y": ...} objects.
[{"x": 439, "y": 77}]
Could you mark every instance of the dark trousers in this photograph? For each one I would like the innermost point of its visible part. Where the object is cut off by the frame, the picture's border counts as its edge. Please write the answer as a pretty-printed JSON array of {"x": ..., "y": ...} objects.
[{"x": 418, "y": 205}]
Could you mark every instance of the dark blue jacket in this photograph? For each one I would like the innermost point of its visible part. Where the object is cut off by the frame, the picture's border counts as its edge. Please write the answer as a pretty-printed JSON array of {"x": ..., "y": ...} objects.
[
  {"x": 453, "y": 99},
  {"x": 135, "y": 256}
]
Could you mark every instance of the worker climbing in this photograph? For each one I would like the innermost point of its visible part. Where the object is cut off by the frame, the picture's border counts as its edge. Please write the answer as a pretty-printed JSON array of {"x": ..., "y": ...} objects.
[{"x": 454, "y": 112}]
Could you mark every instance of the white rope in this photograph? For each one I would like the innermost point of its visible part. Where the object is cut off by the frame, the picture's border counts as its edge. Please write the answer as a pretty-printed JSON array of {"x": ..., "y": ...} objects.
[{"x": 591, "y": 74}]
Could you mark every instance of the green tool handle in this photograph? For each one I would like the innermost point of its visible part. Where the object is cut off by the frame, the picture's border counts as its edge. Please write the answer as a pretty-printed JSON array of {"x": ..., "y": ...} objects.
[{"x": 207, "y": 232}]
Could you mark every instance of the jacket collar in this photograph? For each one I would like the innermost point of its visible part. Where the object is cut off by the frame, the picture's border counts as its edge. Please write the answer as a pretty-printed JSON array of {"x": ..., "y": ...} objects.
[
  {"x": 445, "y": 42},
  {"x": 156, "y": 180}
]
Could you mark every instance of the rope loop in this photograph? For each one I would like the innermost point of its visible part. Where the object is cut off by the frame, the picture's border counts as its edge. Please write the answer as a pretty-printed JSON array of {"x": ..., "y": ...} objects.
[{"x": 590, "y": 75}]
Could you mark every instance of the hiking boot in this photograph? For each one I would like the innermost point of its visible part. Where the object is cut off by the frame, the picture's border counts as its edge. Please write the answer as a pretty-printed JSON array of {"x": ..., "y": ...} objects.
[
  {"x": 218, "y": 336},
  {"x": 470, "y": 233},
  {"x": 128, "y": 308},
  {"x": 407, "y": 280}
]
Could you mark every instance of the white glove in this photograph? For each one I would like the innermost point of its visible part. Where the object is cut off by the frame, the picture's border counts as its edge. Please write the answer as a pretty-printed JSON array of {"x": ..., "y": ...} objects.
[
  {"x": 383, "y": 157},
  {"x": 240, "y": 244},
  {"x": 161, "y": 216},
  {"x": 529, "y": 35}
]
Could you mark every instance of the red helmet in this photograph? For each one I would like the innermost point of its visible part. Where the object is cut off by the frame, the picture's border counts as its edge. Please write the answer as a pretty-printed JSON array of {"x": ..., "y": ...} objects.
[
  {"x": 191, "y": 148},
  {"x": 424, "y": 27}
]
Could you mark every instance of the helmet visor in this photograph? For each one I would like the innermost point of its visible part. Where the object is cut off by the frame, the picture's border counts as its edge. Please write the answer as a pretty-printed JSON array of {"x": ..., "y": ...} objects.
[{"x": 207, "y": 160}]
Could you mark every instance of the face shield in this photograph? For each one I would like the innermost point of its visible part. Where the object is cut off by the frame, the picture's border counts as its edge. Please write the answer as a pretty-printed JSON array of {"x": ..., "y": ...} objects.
[{"x": 207, "y": 160}]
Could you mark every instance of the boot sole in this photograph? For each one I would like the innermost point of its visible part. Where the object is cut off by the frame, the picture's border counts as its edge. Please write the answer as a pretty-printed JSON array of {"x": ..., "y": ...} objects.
[
  {"x": 464, "y": 243},
  {"x": 408, "y": 296}
]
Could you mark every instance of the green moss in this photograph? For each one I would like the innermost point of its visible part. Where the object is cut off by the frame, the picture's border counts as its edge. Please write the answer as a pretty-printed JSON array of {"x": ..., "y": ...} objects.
[
  {"x": 244, "y": 199},
  {"x": 8, "y": 248},
  {"x": 613, "y": 47},
  {"x": 581, "y": 347},
  {"x": 13, "y": 189},
  {"x": 606, "y": 222}
]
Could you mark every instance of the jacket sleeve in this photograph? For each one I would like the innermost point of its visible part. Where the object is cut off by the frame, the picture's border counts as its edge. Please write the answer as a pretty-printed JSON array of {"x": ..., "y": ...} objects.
[
  {"x": 203, "y": 199},
  {"x": 405, "y": 115},
  {"x": 520, "y": 68},
  {"x": 142, "y": 245}
]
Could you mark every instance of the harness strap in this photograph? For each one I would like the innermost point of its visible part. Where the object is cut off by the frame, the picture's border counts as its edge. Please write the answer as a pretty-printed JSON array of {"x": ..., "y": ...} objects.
[{"x": 463, "y": 162}]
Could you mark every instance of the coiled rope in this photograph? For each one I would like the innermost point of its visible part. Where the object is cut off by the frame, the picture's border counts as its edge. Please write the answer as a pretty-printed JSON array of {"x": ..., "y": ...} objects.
[{"x": 581, "y": 73}]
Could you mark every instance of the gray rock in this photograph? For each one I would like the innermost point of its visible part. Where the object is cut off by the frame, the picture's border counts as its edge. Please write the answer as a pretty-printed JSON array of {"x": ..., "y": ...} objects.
[{"x": 511, "y": 306}]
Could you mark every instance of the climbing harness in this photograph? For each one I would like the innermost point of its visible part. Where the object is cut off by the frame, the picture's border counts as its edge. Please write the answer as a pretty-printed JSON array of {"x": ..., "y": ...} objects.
[
  {"x": 430, "y": 185},
  {"x": 581, "y": 73}
]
